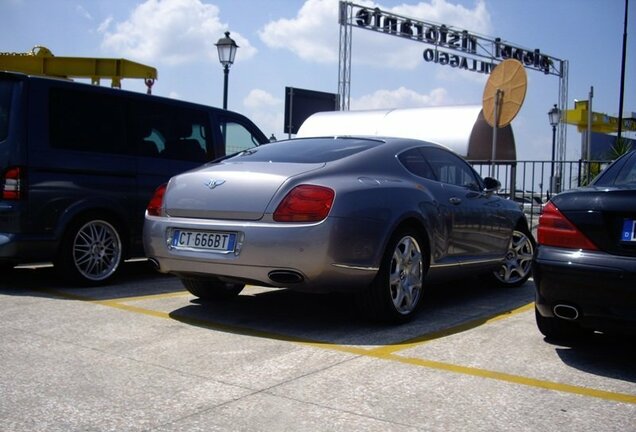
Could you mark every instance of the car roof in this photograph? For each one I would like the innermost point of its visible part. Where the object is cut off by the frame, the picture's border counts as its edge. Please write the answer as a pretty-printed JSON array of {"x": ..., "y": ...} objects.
[
  {"x": 82, "y": 85},
  {"x": 395, "y": 141}
]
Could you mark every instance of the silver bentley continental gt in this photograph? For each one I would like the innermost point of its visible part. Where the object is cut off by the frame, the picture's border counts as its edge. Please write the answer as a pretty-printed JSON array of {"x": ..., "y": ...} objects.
[{"x": 381, "y": 218}]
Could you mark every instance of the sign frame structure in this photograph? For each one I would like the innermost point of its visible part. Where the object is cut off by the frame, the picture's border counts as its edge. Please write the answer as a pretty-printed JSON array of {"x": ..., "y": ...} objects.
[{"x": 451, "y": 46}]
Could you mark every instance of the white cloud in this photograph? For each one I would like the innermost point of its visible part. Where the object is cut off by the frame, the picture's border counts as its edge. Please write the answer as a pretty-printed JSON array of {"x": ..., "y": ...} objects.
[
  {"x": 400, "y": 98},
  {"x": 103, "y": 26},
  {"x": 313, "y": 35},
  {"x": 83, "y": 12},
  {"x": 257, "y": 99},
  {"x": 448, "y": 74},
  {"x": 266, "y": 111},
  {"x": 170, "y": 31},
  {"x": 475, "y": 20}
]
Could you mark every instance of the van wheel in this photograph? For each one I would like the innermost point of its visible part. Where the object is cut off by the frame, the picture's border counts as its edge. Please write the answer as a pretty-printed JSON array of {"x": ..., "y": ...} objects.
[
  {"x": 396, "y": 292},
  {"x": 211, "y": 288},
  {"x": 91, "y": 252}
]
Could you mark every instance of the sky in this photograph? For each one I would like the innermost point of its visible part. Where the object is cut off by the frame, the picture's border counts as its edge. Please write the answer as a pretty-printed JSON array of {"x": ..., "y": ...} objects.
[{"x": 295, "y": 43}]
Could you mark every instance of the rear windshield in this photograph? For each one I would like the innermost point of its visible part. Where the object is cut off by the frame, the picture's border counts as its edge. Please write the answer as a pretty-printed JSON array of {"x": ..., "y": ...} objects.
[
  {"x": 314, "y": 150},
  {"x": 621, "y": 172},
  {"x": 627, "y": 175},
  {"x": 6, "y": 88}
]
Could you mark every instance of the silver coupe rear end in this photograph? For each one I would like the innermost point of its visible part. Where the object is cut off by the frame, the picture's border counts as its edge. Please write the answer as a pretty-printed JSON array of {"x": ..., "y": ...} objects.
[{"x": 377, "y": 217}]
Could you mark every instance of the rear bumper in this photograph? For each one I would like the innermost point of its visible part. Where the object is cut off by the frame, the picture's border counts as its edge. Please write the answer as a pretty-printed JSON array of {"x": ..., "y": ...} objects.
[
  {"x": 17, "y": 245},
  {"x": 333, "y": 255},
  {"x": 21, "y": 249},
  {"x": 600, "y": 286},
  {"x": 332, "y": 279}
]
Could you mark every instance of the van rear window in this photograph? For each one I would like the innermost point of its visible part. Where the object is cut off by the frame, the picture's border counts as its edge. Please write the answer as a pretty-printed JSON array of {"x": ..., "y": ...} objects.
[
  {"x": 6, "y": 89},
  {"x": 87, "y": 121}
]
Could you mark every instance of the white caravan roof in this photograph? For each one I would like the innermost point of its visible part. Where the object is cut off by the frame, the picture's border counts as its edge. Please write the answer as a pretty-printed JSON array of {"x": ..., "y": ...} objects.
[{"x": 457, "y": 127}]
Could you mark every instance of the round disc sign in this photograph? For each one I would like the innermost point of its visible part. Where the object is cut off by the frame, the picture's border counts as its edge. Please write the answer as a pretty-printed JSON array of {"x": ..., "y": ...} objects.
[{"x": 507, "y": 83}]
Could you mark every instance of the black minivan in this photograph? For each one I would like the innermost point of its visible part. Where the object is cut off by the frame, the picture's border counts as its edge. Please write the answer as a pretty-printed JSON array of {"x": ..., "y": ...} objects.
[{"x": 79, "y": 163}]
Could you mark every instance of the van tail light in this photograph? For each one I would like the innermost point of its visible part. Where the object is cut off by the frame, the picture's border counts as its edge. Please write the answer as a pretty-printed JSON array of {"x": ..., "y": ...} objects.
[
  {"x": 11, "y": 184},
  {"x": 305, "y": 203},
  {"x": 155, "y": 206},
  {"x": 556, "y": 230}
]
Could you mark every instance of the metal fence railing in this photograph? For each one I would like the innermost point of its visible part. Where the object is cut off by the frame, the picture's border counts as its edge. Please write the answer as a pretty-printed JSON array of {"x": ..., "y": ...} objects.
[{"x": 531, "y": 183}]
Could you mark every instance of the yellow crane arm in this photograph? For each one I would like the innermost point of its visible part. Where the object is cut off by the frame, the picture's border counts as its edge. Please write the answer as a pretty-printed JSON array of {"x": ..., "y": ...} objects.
[
  {"x": 40, "y": 61},
  {"x": 602, "y": 123}
]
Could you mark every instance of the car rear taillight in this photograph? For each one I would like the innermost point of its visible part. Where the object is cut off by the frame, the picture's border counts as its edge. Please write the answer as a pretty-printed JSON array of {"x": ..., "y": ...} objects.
[
  {"x": 556, "y": 230},
  {"x": 156, "y": 202},
  {"x": 305, "y": 203},
  {"x": 11, "y": 184}
]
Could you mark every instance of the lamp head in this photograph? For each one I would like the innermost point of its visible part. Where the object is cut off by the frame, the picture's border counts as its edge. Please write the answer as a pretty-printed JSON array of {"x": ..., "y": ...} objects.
[
  {"x": 227, "y": 50},
  {"x": 554, "y": 115}
]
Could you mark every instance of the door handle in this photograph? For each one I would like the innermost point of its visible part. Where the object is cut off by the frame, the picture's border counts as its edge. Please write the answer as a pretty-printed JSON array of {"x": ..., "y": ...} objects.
[{"x": 455, "y": 200}]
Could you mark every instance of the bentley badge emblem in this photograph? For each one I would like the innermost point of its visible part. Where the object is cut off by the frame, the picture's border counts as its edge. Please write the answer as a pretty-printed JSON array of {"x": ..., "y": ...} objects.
[{"x": 212, "y": 183}]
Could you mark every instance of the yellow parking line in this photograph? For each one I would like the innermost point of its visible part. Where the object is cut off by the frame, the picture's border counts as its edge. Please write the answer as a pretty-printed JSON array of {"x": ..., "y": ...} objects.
[
  {"x": 380, "y": 354},
  {"x": 134, "y": 309},
  {"x": 72, "y": 296},
  {"x": 515, "y": 379},
  {"x": 145, "y": 297},
  {"x": 419, "y": 340},
  {"x": 383, "y": 353}
]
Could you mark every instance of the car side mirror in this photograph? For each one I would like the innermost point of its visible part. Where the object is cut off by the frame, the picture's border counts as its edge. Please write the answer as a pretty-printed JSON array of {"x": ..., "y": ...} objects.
[{"x": 491, "y": 184}]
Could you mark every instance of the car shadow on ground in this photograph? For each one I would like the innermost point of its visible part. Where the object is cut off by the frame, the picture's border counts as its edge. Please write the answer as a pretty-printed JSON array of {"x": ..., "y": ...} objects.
[
  {"x": 136, "y": 278},
  {"x": 334, "y": 318},
  {"x": 611, "y": 355}
]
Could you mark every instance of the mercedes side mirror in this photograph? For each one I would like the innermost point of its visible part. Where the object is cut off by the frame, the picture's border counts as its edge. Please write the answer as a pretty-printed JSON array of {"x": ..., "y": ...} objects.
[{"x": 491, "y": 184}]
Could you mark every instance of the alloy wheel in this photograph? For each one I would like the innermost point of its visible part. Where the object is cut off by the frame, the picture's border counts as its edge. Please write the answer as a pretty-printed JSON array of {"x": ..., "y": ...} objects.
[
  {"x": 517, "y": 264},
  {"x": 97, "y": 250},
  {"x": 405, "y": 275}
]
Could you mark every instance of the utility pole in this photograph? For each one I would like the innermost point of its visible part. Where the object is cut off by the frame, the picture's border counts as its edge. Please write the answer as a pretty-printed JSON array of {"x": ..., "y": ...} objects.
[{"x": 620, "y": 104}]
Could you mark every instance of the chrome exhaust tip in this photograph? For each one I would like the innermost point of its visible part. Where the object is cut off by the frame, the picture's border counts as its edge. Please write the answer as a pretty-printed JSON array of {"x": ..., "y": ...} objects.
[
  {"x": 285, "y": 277},
  {"x": 566, "y": 312},
  {"x": 154, "y": 263}
]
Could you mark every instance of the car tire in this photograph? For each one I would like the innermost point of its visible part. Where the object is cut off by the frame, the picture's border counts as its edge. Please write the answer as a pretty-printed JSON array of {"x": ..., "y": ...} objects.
[
  {"x": 91, "y": 252},
  {"x": 517, "y": 265},
  {"x": 558, "y": 329},
  {"x": 211, "y": 288},
  {"x": 396, "y": 292}
]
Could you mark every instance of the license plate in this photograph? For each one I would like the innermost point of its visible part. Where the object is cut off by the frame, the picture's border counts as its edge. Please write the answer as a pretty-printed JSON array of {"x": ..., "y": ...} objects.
[
  {"x": 203, "y": 240},
  {"x": 628, "y": 234}
]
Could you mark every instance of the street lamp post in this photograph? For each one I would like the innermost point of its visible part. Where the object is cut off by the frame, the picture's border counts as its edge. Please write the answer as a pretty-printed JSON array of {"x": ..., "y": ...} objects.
[
  {"x": 554, "y": 115},
  {"x": 227, "y": 51}
]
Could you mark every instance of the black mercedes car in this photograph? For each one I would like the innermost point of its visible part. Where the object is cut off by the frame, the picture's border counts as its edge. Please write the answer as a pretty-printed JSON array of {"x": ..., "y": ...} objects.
[{"x": 585, "y": 264}]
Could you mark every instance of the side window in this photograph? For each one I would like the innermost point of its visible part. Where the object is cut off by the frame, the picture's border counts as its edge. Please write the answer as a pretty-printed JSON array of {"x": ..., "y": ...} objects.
[
  {"x": 87, "y": 121},
  {"x": 413, "y": 160},
  {"x": 236, "y": 137},
  {"x": 185, "y": 139},
  {"x": 5, "y": 106},
  {"x": 169, "y": 132},
  {"x": 449, "y": 168}
]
